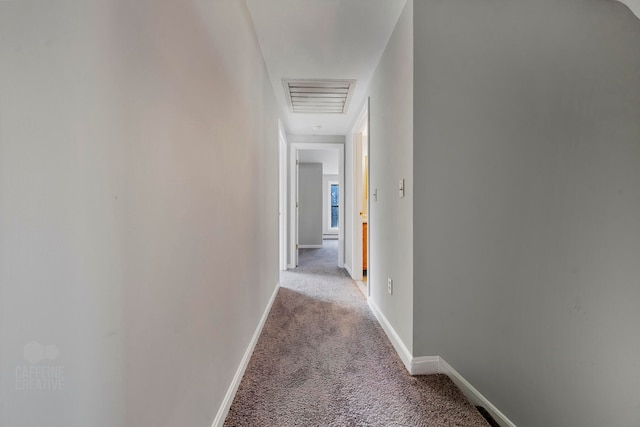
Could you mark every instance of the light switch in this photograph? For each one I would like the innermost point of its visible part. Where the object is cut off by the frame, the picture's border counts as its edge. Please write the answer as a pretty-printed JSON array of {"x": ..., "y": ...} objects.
[{"x": 401, "y": 187}]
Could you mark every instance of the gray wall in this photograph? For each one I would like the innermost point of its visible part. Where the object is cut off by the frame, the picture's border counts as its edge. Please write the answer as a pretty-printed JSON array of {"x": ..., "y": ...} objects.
[
  {"x": 310, "y": 199},
  {"x": 527, "y": 204},
  {"x": 122, "y": 242},
  {"x": 390, "y": 159}
]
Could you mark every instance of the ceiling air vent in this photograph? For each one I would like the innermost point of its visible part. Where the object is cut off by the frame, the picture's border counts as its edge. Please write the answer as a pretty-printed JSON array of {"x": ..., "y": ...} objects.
[{"x": 319, "y": 96}]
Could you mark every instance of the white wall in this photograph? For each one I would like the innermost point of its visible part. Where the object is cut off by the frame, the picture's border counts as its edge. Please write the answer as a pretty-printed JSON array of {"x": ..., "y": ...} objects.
[
  {"x": 527, "y": 204},
  {"x": 123, "y": 243},
  {"x": 326, "y": 203},
  {"x": 390, "y": 159},
  {"x": 328, "y": 158},
  {"x": 310, "y": 210}
]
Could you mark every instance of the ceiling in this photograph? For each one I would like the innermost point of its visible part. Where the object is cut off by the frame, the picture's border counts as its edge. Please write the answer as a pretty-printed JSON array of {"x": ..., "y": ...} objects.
[
  {"x": 634, "y": 5},
  {"x": 328, "y": 158},
  {"x": 323, "y": 39}
]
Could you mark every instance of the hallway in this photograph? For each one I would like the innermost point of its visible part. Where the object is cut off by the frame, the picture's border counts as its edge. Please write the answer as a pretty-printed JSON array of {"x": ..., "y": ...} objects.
[
  {"x": 148, "y": 203},
  {"x": 323, "y": 359}
]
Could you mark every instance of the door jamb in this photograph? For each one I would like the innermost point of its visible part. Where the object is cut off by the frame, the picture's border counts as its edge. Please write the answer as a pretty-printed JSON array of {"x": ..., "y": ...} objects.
[
  {"x": 357, "y": 195},
  {"x": 282, "y": 203},
  {"x": 294, "y": 148}
]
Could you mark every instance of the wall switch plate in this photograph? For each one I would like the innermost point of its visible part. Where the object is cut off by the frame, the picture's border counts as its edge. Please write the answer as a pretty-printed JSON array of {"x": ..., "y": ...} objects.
[
  {"x": 390, "y": 286},
  {"x": 401, "y": 187}
]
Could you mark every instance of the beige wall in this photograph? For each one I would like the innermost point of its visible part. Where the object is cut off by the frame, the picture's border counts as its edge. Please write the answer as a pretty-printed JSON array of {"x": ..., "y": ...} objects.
[{"x": 124, "y": 241}]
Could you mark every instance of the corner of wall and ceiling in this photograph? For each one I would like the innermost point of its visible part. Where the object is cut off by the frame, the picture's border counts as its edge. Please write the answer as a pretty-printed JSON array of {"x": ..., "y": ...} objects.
[{"x": 633, "y": 5}]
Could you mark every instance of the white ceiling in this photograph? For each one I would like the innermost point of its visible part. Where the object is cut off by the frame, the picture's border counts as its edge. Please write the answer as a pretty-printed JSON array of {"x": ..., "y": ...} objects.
[
  {"x": 328, "y": 158},
  {"x": 323, "y": 39}
]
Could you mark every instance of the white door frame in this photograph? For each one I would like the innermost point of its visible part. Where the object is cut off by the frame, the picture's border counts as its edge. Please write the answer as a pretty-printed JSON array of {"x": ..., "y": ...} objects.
[
  {"x": 357, "y": 195},
  {"x": 293, "y": 232},
  {"x": 282, "y": 203}
]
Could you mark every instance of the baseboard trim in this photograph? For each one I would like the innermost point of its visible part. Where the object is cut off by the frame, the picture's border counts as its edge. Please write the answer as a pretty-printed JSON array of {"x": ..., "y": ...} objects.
[
  {"x": 428, "y": 365},
  {"x": 310, "y": 246},
  {"x": 346, "y": 267},
  {"x": 235, "y": 383},
  {"x": 396, "y": 341},
  {"x": 425, "y": 365},
  {"x": 362, "y": 287},
  {"x": 473, "y": 394}
]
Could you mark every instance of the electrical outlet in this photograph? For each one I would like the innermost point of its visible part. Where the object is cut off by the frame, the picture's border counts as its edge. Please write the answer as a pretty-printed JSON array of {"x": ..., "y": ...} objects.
[{"x": 390, "y": 286}]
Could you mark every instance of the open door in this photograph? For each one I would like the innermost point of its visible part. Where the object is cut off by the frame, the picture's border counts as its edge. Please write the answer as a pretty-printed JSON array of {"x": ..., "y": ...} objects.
[
  {"x": 360, "y": 201},
  {"x": 367, "y": 173},
  {"x": 362, "y": 140},
  {"x": 283, "y": 166},
  {"x": 297, "y": 198}
]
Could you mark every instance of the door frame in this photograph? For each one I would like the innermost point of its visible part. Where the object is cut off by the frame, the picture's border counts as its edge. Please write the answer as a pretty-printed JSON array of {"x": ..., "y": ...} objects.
[
  {"x": 282, "y": 202},
  {"x": 294, "y": 147},
  {"x": 357, "y": 194}
]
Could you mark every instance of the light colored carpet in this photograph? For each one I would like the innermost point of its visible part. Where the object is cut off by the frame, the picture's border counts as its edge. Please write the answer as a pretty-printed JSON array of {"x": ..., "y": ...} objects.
[{"x": 323, "y": 360}]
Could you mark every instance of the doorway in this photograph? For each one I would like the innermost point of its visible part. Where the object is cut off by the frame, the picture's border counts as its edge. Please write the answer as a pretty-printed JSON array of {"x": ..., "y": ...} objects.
[
  {"x": 306, "y": 152},
  {"x": 360, "y": 213}
]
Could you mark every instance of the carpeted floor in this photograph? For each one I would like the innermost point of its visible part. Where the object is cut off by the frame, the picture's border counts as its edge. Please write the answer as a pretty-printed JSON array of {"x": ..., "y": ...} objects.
[{"x": 323, "y": 360}]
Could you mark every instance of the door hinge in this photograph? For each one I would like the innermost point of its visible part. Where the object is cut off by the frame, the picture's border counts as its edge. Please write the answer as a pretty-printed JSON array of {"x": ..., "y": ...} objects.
[
  {"x": 296, "y": 247},
  {"x": 297, "y": 162},
  {"x": 297, "y": 205}
]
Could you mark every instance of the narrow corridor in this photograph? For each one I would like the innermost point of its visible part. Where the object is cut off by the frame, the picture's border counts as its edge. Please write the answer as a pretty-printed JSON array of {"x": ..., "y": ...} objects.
[{"x": 322, "y": 359}]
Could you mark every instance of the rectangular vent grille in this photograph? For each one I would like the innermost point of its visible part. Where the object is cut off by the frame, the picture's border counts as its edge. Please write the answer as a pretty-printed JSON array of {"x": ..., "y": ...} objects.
[{"x": 319, "y": 96}]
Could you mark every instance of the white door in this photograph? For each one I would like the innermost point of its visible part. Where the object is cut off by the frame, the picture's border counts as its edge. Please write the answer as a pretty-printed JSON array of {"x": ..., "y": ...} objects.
[
  {"x": 297, "y": 208},
  {"x": 283, "y": 203}
]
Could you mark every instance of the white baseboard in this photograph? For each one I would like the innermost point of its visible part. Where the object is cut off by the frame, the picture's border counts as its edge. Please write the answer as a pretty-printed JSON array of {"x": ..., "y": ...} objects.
[
  {"x": 396, "y": 341},
  {"x": 427, "y": 365},
  {"x": 348, "y": 268},
  {"x": 310, "y": 246},
  {"x": 362, "y": 287},
  {"x": 473, "y": 395},
  {"x": 235, "y": 383}
]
